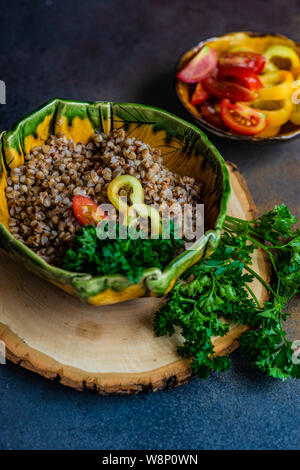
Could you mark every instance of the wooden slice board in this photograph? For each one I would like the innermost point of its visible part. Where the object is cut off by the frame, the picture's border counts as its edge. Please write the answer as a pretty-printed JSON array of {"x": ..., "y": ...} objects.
[{"x": 111, "y": 349}]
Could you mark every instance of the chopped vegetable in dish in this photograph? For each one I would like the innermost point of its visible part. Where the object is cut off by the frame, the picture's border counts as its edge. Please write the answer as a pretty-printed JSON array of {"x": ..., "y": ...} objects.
[
  {"x": 242, "y": 76},
  {"x": 281, "y": 53},
  {"x": 264, "y": 82},
  {"x": 202, "y": 64},
  {"x": 228, "y": 89},
  {"x": 86, "y": 211},
  {"x": 200, "y": 95},
  {"x": 242, "y": 119},
  {"x": 246, "y": 60}
]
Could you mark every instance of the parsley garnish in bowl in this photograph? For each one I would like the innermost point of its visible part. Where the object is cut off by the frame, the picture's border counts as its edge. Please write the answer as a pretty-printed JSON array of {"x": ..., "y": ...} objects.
[{"x": 129, "y": 257}]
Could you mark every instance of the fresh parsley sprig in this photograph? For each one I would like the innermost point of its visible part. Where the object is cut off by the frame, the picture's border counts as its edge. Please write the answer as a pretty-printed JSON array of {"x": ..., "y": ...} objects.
[{"x": 219, "y": 288}]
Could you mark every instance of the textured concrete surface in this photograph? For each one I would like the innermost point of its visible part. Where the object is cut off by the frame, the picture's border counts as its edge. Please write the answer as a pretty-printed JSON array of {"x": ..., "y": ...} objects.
[{"x": 125, "y": 51}]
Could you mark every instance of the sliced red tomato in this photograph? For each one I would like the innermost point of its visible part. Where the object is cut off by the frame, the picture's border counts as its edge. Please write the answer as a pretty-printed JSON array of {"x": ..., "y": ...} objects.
[
  {"x": 242, "y": 119},
  {"x": 199, "y": 96},
  {"x": 86, "y": 211},
  {"x": 230, "y": 90},
  {"x": 245, "y": 59},
  {"x": 244, "y": 77},
  {"x": 211, "y": 113},
  {"x": 200, "y": 67}
]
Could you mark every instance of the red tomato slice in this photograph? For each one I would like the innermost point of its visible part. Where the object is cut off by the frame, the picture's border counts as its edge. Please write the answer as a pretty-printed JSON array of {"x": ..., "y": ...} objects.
[
  {"x": 211, "y": 113},
  {"x": 242, "y": 119},
  {"x": 199, "y": 96},
  {"x": 86, "y": 211},
  {"x": 244, "y": 77},
  {"x": 248, "y": 60},
  {"x": 201, "y": 65},
  {"x": 232, "y": 91}
]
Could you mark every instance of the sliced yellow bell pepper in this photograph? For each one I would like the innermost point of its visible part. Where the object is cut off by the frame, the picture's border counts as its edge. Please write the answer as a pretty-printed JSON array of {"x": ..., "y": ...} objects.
[
  {"x": 282, "y": 52},
  {"x": 269, "y": 131},
  {"x": 295, "y": 114},
  {"x": 240, "y": 49},
  {"x": 278, "y": 112},
  {"x": 276, "y": 85}
]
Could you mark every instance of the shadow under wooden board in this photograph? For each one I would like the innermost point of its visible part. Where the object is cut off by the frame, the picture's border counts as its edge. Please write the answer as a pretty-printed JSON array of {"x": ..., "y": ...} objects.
[{"x": 111, "y": 349}]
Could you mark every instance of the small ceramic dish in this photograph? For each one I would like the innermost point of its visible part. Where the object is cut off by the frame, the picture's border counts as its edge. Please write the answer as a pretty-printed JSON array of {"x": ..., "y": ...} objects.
[
  {"x": 185, "y": 150},
  {"x": 258, "y": 42}
]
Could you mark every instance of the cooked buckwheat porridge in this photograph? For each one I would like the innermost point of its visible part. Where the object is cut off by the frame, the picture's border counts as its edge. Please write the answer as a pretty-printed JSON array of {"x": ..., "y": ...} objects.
[{"x": 40, "y": 192}]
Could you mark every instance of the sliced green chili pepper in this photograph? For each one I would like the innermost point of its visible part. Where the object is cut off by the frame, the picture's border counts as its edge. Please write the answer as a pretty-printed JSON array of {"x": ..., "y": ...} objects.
[
  {"x": 145, "y": 211},
  {"x": 127, "y": 182},
  {"x": 137, "y": 199}
]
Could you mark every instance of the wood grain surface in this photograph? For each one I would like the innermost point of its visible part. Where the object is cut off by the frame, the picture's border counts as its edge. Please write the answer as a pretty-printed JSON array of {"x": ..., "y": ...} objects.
[{"x": 110, "y": 349}]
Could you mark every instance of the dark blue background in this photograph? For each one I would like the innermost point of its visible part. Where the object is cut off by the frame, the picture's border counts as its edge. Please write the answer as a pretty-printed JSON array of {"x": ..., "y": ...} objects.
[{"x": 125, "y": 51}]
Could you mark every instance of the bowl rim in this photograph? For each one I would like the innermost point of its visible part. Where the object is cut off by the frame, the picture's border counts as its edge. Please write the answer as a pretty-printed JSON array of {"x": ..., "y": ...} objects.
[
  {"x": 220, "y": 132},
  {"x": 152, "y": 276}
]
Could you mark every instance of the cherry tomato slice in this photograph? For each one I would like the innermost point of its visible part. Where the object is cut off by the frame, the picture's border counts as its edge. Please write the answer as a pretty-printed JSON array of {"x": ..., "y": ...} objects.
[
  {"x": 199, "y": 96},
  {"x": 243, "y": 77},
  {"x": 242, "y": 119},
  {"x": 230, "y": 90},
  {"x": 211, "y": 113},
  {"x": 200, "y": 67},
  {"x": 86, "y": 211},
  {"x": 248, "y": 60}
]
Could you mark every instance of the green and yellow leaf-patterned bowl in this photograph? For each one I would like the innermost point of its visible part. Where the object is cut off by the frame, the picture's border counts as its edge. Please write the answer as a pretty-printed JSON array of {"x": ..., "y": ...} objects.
[{"x": 185, "y": 150}]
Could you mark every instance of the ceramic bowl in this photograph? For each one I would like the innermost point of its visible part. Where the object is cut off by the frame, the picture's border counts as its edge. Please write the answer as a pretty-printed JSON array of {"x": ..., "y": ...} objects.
[{"x": 185, "y": 150}]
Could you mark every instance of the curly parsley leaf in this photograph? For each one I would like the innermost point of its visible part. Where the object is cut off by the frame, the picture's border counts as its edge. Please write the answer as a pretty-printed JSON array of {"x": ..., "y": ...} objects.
[
  {"x": 219, "y": 288},
  {"x": 130, "y": 256}
]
